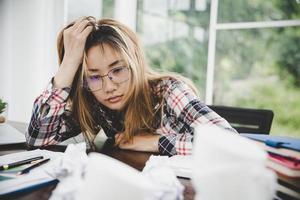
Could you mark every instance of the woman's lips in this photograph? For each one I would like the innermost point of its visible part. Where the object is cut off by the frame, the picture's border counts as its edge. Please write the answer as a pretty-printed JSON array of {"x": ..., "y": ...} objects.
[{"x": 114, "y": 99}]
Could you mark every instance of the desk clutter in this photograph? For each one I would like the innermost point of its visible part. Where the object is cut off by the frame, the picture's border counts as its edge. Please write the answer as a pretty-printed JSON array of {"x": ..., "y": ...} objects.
[
  {"x": 82, "y": 176},
  {"x": 284, "y": 158},
  {"x": 98, "y": 175},
  {"x": 13, "y": 180},
  {"x": 223, "y": 166}
]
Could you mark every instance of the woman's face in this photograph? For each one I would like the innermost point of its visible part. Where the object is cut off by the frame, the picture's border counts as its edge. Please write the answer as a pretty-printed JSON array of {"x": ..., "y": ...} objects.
[{"x": 108, "y": 77}]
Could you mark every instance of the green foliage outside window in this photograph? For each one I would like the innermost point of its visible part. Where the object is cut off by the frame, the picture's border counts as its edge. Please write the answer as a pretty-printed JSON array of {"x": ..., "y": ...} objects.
[
  {"x": 260, "y": 68},
  {"x": 186, "y": 54},
  {"x": 257, "y": 68}
]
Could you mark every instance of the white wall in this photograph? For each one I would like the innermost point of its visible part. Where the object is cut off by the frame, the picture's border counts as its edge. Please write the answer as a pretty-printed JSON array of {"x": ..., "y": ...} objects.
[
  {"x": 125, "y": 12},
  {"x": 79, "y": 8},
  {"x": 28, "y": 45},
  {"x": 27, "y": 51},
  {"x": 5, "y": 50}
]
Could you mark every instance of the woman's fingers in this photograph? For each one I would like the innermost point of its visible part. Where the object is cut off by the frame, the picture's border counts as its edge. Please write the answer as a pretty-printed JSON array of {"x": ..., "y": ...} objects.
[
  {"x": 81, "y": 27},
  {"x": 118, "y": 138},
  {"x": 77, "y": 28},
  {"x": 77, "y": 24},
  {"x": 80, "y": 33},
  {"x": 74, "y": 40},
  {"x": 87, "y": 31},
  {"x": 74, "y": 26}
]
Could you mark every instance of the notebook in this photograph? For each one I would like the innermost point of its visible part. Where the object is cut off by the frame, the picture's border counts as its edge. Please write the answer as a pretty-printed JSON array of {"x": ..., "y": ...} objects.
[
  {"x": 289, "y": 162},
  {"x": 281, "y": 169},
  {"x": 276, "y": 141},
  {"x": 279, "y": 151},
  {"x": 11, "y": 183}
]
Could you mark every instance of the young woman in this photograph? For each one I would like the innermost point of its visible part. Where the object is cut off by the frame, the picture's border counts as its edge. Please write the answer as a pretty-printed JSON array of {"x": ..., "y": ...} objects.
[{"x": 103, "y": 82}]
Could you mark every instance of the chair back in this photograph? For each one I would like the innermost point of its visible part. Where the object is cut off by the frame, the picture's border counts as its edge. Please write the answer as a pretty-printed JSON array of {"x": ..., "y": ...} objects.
[{"x": 246, "y": 120}]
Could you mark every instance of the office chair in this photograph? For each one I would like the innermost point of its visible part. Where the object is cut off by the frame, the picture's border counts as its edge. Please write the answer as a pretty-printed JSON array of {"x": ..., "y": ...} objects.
[{"x": 246, "y": 120}]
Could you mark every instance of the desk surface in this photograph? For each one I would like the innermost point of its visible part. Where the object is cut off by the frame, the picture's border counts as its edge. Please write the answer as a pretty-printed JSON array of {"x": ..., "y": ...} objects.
[{"x": 132, "y": 158}]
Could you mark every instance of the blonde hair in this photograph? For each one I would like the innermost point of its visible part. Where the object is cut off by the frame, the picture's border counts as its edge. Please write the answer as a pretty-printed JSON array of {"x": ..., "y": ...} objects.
[{"x": 124, "y": 41}]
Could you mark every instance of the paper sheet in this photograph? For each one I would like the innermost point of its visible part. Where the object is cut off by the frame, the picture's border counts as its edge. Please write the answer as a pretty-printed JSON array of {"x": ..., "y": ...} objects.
[
  {"x": 36, "y": 176},
  {"x": 179, "y": 164}
]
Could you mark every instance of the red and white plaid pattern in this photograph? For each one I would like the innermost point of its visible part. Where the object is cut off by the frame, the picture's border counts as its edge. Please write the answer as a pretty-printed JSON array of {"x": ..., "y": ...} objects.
[{"x": 52, "y": 122}]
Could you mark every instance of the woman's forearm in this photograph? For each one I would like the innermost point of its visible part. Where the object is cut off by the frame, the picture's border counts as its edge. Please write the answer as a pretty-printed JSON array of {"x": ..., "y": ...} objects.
[
  {"x": 143, "y": 142},
  {"x": 65, "y": 74}
]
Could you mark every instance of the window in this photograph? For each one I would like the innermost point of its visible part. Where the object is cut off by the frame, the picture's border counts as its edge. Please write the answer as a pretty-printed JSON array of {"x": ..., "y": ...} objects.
[
  {"x": 257, "y": 59},
  {"x": 239, "y": 53},
  {"x": 175, "y": 36},
  {"x": 257, "y": 10}
]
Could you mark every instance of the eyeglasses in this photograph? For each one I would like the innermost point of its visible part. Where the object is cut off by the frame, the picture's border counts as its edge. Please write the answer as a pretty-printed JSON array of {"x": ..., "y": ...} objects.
[{"x": 116, "y": 75}]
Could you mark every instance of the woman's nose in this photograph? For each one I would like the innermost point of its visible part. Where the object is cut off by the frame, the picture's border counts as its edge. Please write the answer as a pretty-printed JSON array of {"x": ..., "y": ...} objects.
[{"x": 109, "y": 85}]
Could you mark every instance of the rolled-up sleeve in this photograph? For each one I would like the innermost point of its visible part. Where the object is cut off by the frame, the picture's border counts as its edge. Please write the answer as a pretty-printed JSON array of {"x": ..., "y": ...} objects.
[{"x": 51, "y": 122}]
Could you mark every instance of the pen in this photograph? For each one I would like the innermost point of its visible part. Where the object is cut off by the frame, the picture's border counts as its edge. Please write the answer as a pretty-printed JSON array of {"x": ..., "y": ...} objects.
[
  {"x": 22, "y": 162},
  {"x": 24, "y": 171}
]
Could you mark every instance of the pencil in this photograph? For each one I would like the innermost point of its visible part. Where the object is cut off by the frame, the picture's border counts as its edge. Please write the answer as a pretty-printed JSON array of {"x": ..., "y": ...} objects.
[
  {"x": 24, "y": 171},
  {"x": 18, "y": 163}
]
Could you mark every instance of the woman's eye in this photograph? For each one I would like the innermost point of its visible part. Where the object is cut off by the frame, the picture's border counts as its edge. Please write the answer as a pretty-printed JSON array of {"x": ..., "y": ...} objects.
[
  {"x": 94, "y": 77},
  {"x": 117, "y": 70}
]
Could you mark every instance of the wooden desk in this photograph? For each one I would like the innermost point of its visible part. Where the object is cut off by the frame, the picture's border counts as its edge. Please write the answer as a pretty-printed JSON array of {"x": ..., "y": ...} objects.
[{"x": 136, "y": 160}]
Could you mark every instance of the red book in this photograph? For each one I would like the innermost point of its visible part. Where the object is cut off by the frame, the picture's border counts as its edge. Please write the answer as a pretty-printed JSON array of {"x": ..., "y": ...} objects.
[{"x": 290, "y": 162}]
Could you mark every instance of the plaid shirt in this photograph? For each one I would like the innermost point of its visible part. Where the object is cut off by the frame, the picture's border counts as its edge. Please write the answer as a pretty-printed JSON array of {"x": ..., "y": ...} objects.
[{"x": 182, "y": 111}]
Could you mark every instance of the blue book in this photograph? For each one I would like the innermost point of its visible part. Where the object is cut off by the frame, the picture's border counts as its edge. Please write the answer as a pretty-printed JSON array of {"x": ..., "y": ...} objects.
[{"x": 276, "y": 141}]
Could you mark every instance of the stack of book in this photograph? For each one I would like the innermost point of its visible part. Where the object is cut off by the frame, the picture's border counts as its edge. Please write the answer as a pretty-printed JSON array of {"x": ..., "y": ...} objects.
[{"x": 284, "y": 159}]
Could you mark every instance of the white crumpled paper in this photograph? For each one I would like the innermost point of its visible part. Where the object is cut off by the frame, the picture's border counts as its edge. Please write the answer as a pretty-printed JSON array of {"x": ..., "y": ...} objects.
[
  {"x": 181, "y": 165},
  {"x": 98, "y": 176},
  {"x": 69, "y": 170},
  {"x": 111, "y": 179},
  {"x": 158, "y": 170},
  {"x": 229, "y": 167}
]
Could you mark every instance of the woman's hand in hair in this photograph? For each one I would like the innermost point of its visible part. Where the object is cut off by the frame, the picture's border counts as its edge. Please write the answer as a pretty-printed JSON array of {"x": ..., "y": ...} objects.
[
  {"x": 143, "y": 142},
  {"x": 74, "y": 41}
]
